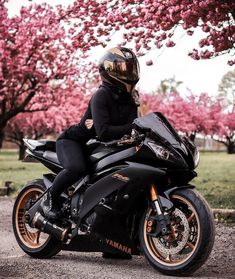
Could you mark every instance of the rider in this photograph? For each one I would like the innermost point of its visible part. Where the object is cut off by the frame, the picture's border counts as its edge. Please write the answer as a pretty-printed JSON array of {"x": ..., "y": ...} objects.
[{"x": 109, "y": 116}]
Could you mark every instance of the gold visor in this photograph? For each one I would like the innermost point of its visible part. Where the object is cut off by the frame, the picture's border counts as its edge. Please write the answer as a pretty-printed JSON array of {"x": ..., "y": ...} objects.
[{"x": 124, "y": 71}]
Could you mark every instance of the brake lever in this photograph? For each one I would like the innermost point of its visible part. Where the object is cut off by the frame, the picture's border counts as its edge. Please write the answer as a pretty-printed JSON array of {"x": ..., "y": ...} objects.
[
  {"x": 126, "y": 141},
  {"x": 110, "y": 143}
]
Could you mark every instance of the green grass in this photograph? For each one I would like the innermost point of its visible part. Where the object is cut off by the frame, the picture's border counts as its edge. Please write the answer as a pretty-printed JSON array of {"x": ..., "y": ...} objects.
[
  {"x": 11, "y": 169},
  {"x": 215, "y": 181}
]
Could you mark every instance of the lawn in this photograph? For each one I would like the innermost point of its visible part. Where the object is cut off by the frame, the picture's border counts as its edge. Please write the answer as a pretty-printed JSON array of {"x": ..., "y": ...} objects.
[
  {"x": 11, "y": 169},
  {"x": 216, "y": 178},
  {"x": 216, "y": 175}
]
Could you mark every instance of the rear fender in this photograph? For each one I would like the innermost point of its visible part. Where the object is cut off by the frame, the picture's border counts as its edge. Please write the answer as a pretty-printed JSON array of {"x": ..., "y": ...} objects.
[{"x": 131, "y": 180}]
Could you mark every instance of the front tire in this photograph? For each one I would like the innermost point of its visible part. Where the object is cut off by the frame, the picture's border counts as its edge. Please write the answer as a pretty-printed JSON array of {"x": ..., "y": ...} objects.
[
  {"x": 32, "y": 241},
  {"x": 192, "y": 238}
]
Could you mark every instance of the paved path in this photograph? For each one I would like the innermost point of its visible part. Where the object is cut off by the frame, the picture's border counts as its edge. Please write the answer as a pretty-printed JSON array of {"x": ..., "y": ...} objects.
[{"x": 66, "y": 265}]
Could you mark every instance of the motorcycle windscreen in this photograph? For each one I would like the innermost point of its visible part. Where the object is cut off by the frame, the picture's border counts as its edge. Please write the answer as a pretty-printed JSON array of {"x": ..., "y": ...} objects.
[{"x": 157, "y": 122}]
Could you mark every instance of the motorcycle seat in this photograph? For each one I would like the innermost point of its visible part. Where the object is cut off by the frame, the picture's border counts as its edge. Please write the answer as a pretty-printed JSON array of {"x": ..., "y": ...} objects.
[
  {"x": 47, "y": 145},
  {"x": 95, "y": 150},
  {"x": 51, "y": 156},
  {"x": 40, "y": 145}
]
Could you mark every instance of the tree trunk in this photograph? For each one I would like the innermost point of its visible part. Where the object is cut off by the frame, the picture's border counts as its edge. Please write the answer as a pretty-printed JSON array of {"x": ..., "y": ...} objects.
[
  {"x": 231, "y": 147},
  {"x": 192, "y": 136},
  {"x": 22, "y": 149},
  {"x": 1, "y": 137}
]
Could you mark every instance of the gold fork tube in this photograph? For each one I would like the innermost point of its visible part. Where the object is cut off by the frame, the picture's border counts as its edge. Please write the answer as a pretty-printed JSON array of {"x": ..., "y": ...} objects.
[
  {"x": 154, "y": 198},
  {"x": 153, "y": 192}
]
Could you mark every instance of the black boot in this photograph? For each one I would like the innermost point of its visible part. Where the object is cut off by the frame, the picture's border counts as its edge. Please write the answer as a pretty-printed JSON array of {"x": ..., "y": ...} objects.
[{"x": 49, "y": 207}]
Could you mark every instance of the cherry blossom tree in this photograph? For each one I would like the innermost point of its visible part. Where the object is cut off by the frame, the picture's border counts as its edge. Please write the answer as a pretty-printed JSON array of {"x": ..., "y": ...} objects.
[
  {"x": 194, "y": 115},
  {"x": 226, "y": 132},
  {"x": 39, "y": 49},
  {"x": 153, "y": 23},
  {"x": 191, "y": 114},
  {"x": 38, "y": 61},
  {"x": 27, "y": 125},
  {"x": 40, "y": 124}
]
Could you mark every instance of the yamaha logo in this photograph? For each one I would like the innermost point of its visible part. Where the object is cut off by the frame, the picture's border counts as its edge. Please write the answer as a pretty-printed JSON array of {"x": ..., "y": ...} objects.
[
  {"x": 118, "y": 246},
  {"x": 121, "y": 177}
]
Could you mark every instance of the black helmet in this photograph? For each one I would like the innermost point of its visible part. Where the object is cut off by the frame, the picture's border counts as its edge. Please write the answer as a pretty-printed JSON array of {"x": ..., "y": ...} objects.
[{"x": 120, "y": 67}]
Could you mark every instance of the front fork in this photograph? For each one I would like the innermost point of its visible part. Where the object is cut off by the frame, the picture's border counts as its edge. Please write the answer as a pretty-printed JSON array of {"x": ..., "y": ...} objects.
[
  {"x": 160, "y": 222},
  {"x": 155, "y": 200}
]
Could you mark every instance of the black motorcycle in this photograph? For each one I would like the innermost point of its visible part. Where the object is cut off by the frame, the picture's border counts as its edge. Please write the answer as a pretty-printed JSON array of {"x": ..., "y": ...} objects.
[{"x": 135, "y": 199}]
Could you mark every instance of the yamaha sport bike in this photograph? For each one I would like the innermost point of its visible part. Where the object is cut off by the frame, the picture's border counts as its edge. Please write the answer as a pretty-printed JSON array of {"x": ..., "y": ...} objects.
[{"x": 135, "y": 199}]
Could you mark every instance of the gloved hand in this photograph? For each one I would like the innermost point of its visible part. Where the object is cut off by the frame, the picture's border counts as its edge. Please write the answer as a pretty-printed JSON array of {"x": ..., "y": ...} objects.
[
  {"x": 136, "y": 97},
  {"x": 89, "y": 123}
]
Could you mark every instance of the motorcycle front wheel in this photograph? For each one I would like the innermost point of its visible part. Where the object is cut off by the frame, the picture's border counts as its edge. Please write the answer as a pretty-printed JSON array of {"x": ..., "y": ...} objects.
[
  {"x": 190, "y": 242},
  {"x": 32, "y": 241}
]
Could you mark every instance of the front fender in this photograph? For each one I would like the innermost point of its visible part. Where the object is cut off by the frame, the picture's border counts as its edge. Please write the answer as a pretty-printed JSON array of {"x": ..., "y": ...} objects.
[{"x": 169, "y": 192}]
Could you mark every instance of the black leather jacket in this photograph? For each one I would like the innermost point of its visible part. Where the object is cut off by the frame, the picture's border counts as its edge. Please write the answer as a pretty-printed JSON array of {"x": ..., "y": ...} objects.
[{"x": 112, "y": 112}]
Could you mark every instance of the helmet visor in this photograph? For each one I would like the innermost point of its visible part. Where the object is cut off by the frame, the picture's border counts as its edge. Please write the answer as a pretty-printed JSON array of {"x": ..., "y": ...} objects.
[{"x": 126, "y": 71}]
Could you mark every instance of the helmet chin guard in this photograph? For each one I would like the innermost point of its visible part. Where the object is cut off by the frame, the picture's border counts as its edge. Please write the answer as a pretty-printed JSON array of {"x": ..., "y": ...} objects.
[{"x": 120, "y": 67}]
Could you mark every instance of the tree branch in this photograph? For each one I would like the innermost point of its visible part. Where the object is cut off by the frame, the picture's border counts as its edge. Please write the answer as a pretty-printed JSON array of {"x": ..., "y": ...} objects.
[{"x": 221, "y": 141}]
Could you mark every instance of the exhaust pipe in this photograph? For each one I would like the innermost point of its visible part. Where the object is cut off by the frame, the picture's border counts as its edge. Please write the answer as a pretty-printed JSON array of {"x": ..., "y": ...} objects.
[{"x": 41, "y": 223}]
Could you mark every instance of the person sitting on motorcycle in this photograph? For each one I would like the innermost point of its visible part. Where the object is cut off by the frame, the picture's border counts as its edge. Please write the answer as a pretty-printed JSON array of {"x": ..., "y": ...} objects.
[{"x": 109, "y": 116}]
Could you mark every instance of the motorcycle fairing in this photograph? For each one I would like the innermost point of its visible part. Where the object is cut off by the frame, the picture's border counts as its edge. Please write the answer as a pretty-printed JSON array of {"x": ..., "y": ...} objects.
[
  {"x": 46, "y": 161},
  {"x": 114, "y": 158},
  {"x": 157, "y": 122},
  {"x": 134, "y": 176},
  {"x": 100, "y": 152},
  {"x": 161, "y": 132},
  {"x": 93, "y": 243}
]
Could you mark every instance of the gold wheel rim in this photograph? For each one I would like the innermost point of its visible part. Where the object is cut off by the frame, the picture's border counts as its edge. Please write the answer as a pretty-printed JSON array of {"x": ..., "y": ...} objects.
[
  {"x": 168, "y": 260},
  {"x": 30, "y": 237}
]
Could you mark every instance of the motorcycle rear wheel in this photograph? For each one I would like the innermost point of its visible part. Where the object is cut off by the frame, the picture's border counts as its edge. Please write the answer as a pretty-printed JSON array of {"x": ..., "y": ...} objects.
[
  {"x": 192, "y": 238},
  {"x": 32, "y": 241}
]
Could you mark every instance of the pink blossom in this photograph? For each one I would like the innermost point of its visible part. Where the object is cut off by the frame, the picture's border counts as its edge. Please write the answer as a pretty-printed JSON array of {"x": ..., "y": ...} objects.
[
  {"x": 231, "y": 62},
  {"x": 170, "y": 43},
  {"x": 149, "y": 62},
  {"x": 148, "y": 19}
]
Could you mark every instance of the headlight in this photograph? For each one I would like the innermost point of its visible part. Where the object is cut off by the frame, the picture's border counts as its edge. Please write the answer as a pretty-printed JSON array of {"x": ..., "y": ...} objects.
[{"x": 160, "y": 151}]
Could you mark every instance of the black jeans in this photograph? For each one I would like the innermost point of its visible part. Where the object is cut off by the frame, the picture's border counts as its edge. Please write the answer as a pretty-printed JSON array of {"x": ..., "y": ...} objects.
[{"x": 71, "y": 156}]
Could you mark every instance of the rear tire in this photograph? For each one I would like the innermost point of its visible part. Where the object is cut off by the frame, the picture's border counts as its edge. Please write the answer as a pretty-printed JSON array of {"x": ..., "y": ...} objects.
[
  {"x": 192, "y": 238},
  {"x": 32, "y": 241}
]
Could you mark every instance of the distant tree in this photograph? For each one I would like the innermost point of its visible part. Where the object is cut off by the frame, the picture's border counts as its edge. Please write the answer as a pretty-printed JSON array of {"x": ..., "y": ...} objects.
[
  {"x": 27, "y": 125},
  {"x": 191, "y": 114},
  {"x": 194, "y": 115},
  {"x": 229, "y": 135},
  {"x": 227, "y": 90},
  {"x": 37, "y": 125},
  {"x": 226, "y": 132},
  {"x": 169, "y": 85},
  {"x": 150, "y": 102}
]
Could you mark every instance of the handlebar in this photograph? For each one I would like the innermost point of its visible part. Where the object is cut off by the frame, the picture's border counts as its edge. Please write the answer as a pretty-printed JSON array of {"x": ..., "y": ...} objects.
[{"x": 134, "y": 138}]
